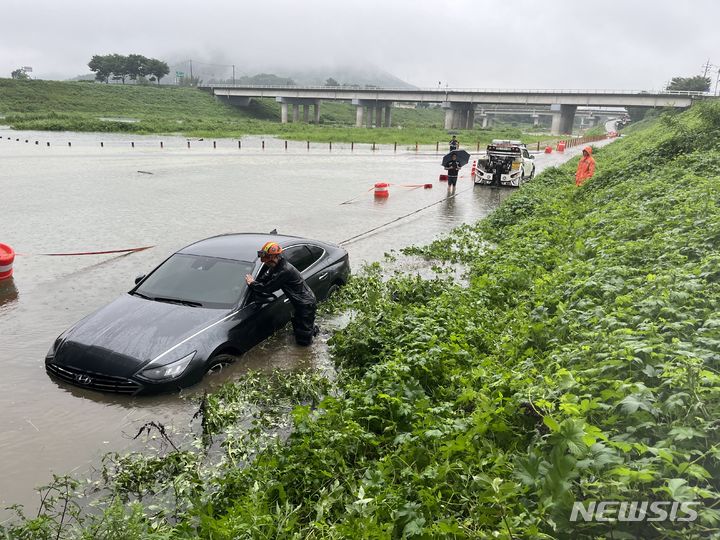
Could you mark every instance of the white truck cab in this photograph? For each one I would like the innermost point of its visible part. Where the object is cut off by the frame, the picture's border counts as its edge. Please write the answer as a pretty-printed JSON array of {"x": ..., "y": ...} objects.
[{"x": 507, "y": 163}]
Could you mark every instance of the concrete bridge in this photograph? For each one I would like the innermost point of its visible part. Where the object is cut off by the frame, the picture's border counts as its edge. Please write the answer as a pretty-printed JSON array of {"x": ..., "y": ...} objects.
[
  {"x": 588, "y": 116},
  {"x": 459, "y": 104}
]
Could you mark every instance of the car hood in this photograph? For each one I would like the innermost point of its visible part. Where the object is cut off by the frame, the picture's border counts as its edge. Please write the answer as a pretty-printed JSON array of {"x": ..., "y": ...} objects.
[{"x": 128, "y": 332}]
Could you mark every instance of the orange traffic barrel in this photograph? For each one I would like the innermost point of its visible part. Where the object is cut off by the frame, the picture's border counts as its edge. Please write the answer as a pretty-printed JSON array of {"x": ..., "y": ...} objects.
[
  {"x": 381, "y": 189},
  {"x": 7, "y": 257}
]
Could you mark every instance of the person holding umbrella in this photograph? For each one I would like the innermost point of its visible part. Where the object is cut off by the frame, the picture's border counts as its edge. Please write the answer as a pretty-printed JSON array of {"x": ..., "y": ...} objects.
[
  {"x": 454, "y": 143},
  {"x": 452, "y": 163}
]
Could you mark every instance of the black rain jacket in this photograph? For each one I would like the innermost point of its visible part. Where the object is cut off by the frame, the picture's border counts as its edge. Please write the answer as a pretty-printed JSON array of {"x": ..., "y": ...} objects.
[{"x": 286, "y": 277}]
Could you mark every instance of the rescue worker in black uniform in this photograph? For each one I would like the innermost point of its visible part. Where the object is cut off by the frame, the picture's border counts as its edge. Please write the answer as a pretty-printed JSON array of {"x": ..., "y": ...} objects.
[{"x": 283, "y": 275}]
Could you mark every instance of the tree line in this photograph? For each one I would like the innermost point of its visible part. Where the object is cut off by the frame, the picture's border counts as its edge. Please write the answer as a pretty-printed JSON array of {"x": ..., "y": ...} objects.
[{"x": 134, "y": 67}]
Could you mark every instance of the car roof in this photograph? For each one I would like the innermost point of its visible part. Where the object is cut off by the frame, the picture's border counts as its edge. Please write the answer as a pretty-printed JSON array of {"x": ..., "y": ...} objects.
[{"x": 241, "y": 246}]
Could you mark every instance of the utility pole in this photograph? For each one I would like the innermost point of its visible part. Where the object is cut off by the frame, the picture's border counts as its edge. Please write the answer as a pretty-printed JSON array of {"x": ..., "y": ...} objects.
[
  {"x": 233, "y": 74},
  {"x": 706, "y": 67},
  {"x": 716, "y": 81},
  {"x": 191, "y": 75}
]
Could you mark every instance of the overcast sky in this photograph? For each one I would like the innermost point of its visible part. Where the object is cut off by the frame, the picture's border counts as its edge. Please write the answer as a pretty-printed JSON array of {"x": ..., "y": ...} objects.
[{"x": 621, "y": 44}]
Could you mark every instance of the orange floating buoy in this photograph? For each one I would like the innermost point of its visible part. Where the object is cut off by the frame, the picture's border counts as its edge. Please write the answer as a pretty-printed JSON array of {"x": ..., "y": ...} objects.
[
  {"x": 7, "y": 257},
  {"x": 381, "y": 189},
  {"x": 548, "y": 149},
  {"x": 427, "y": 186},
  {"x": 443, "y": 177}
]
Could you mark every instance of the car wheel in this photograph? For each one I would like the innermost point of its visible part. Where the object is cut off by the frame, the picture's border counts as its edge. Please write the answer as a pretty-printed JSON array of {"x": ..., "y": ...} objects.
[
  {"x": 220, "y": 362},
  {"x": 332, "y": 290}
]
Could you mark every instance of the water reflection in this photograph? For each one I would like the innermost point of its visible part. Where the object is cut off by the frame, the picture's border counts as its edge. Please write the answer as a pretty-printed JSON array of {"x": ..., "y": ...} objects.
[{"x": 8, "y": 293}]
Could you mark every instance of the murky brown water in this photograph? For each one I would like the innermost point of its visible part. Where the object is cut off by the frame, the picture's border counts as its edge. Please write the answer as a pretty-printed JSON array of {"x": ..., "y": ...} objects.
[{"x": 85, "y": 198}]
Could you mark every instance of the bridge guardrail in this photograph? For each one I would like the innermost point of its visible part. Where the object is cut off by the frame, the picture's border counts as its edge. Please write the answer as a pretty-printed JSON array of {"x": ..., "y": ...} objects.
[{"x": 463, "y": 90}]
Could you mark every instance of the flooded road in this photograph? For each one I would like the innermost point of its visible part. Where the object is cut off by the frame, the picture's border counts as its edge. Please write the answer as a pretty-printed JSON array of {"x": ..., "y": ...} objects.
[{"x": 85, "y": 197}]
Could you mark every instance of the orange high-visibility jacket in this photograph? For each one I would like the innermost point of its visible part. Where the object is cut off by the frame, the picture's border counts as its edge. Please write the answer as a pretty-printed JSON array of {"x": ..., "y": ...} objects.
[{"x": 586, "y": 167}]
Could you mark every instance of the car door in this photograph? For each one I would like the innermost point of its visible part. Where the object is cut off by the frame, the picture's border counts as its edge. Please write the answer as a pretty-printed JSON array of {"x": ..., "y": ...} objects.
[
  {"x": 527, "y": 163},
  {"x": 258, "y": 317},
  {"x": 306, "y": 258},
  {"x": 317, "y": 274}
]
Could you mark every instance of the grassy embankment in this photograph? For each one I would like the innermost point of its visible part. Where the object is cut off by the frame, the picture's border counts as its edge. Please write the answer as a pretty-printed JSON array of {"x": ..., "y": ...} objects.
[
  {"x": 579, "y": 363},
  {"x": 76, "y": 106}
]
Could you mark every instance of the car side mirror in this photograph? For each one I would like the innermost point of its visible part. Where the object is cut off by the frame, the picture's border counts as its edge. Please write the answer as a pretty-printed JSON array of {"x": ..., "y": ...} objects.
[{"x": 139, "y": 278}]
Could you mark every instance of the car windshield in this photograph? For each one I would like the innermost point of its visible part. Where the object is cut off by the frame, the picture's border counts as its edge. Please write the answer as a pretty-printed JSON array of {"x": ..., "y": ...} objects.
[{"x": 197, "y": 281}]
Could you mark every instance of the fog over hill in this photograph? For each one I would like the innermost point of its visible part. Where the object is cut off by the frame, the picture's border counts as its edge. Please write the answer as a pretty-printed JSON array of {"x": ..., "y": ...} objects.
[{"x": 215, "y": 70}]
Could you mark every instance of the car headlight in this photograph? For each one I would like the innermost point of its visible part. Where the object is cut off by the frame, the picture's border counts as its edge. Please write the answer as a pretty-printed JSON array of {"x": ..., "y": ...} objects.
[
  {"x": 171, "y": 370},
  {"x": 50, "y": 356}
]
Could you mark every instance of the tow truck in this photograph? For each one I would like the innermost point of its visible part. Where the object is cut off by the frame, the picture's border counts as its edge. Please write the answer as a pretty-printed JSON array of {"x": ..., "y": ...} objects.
[{"x": 507, "y": 163}]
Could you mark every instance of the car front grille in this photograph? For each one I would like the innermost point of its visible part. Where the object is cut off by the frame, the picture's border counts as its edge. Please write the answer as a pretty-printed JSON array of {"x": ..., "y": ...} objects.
[{"x": 93, "y": 381}]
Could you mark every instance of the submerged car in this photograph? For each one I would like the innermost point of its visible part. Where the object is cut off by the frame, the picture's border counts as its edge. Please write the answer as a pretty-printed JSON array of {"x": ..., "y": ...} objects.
[{"x": 191, "y": 315}]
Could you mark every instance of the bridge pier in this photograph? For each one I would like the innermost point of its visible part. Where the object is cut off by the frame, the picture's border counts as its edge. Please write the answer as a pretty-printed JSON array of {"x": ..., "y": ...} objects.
[
  {"x": 562, "y": 119},
  {"x": 296, "y": 103},
  {"x": 458, "y": 115},
  {"x": 369, "y": 111}
]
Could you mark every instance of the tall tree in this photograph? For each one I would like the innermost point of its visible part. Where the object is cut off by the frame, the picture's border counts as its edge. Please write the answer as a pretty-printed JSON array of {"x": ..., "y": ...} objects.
[
  {"x": 101, "y": 66},
  {"x": 690, "y": 84},
  {"x": 136, "y": 65},
  {"x": 157, "y": 68},
  {"x": 19, "y": 74},
  {"x": 118, "y": 65},
  {"x": 331, "y": 82}
]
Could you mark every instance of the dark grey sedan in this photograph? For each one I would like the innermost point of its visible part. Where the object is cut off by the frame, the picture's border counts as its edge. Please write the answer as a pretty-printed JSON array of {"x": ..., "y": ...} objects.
[{"x": 192, "y": 314}]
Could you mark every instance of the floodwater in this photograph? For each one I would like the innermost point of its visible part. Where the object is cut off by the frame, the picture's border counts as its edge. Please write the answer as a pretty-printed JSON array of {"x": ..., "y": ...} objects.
[{"x": 83, "y": 197}]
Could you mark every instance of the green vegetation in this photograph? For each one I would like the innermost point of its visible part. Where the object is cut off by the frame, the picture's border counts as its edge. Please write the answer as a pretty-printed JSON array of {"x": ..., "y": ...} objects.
[
  {"x": 135, "y": 66},
  {"x": 579, "y": 362},
  {"x": 80, "y": 106},
  {"x": 698, "y": 83}
]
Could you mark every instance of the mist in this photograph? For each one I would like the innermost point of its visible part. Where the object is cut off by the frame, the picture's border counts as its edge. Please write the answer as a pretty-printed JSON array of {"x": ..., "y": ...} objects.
[{"x": 469, "y": 44}]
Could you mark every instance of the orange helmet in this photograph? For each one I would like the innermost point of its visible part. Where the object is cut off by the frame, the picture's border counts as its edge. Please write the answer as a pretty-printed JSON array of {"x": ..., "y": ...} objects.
[{"x": 269, "y": 250}]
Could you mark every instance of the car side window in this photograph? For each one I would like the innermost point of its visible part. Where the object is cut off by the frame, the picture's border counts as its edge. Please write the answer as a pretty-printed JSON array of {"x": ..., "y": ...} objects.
[
  {"x": 526, "y": 154},
  {"x": 317, "y": 252},
  {"x": 299, "y": 256}
]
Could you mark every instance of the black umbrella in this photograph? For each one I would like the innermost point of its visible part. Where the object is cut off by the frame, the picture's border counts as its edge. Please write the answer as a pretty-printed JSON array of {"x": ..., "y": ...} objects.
[{"x": 461, "y": 155}]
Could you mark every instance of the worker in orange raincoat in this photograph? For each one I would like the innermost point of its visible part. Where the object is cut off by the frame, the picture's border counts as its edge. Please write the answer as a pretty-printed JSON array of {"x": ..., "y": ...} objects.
[{"x": 586, "y": 167}]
